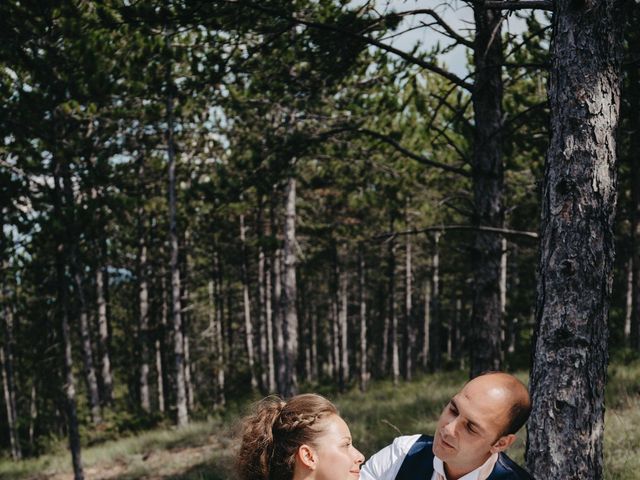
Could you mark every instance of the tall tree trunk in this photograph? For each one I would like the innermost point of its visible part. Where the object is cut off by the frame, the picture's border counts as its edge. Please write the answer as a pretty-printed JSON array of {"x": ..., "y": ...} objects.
[
  {"x": 143, "y": 312},
  {"x": 6, "y": 362},
  {"x": 315, "y": 370},
  {"x": 90, "y": 376},
  {"x": 628, "y": 307},
  {"x": 364, "y": 373},
  {"x": 278, "y": 322},
  {"x": 186, "y": 295},
  {"x": 393, "y": 315},
  {"x": 216, "y": 316},
  {"x": 487, "y": 190},
  {"x": 343, "y": 327},
  {"x": 269, "y": 318},
  {"x": 435, "y": 333},
  {"x": 182, "y": 417},
  {"x": 289, "y": 297},
  {"x": 33, "y": 415},
  {"x": 159, "y": 345},
  {"x": 503, "y": 296},
  {"x": 62, "y": 301},
  {"x": 565, "y": 434},
  {"x": 425, "y": 352},
  {"x": 633, "y": 94},
  {"x": 102, "y": 285},
  {"x": 248, "y": 325},
  {"x": 408, "y": 311}
]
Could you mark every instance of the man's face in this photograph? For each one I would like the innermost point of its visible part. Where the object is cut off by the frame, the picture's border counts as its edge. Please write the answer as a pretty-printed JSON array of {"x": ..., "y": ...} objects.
[{"x": 470, "y": 426}]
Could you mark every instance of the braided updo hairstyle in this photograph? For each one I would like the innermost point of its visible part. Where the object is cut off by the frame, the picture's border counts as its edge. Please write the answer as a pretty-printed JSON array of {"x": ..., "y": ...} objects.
[{"x": 272, "y": 435}]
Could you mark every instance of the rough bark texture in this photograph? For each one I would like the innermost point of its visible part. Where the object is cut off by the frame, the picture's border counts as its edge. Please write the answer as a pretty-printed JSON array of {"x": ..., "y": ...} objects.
[
  {"x": 487, "y": 190},
  {"x": 565, "y": 434},
  {"x": 289, "y": 297}
]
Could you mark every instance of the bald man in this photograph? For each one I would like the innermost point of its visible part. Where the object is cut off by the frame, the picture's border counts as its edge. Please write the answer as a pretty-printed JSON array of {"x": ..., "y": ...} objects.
[{"x": 477, "y": 425}]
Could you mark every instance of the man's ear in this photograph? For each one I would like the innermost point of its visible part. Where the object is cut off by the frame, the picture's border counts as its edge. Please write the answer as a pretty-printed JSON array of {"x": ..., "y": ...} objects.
[
  {"x": 503, "y": 443},
  {"x": 307, "y": 456}
]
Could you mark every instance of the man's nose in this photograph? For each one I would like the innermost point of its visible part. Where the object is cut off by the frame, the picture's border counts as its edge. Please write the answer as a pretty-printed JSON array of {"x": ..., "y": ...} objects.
[{"x": 450, "y": 428}]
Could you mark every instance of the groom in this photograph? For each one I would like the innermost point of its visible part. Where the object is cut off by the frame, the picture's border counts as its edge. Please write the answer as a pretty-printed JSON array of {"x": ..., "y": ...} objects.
[{"x": 475, "y": 428}]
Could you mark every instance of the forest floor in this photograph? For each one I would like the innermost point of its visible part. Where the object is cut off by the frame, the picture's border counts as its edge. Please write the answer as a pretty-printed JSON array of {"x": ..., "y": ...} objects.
[{"x": 204, "y": 450}]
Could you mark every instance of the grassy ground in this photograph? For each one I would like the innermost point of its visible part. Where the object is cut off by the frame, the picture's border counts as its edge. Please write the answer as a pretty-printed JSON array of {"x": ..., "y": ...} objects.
[{"x": 204, "y": 451}]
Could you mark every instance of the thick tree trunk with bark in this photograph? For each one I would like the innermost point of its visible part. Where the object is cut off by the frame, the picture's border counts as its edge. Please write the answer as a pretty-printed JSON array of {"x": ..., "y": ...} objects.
[
  {"x": 487, "y": 190},
  {"x": 565, "y": 430}
]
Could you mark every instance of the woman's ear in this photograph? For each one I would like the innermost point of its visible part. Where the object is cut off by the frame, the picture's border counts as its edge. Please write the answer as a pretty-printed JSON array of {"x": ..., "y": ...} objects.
[{"x": 307, "y": 456}]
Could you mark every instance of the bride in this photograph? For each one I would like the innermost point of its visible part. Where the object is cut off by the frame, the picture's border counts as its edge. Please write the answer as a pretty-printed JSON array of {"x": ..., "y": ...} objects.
[{"x": 303, "y": 438}]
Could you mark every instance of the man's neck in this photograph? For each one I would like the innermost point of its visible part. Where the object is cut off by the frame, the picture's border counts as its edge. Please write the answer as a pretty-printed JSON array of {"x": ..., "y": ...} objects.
[{"x": 454, "y": 473}]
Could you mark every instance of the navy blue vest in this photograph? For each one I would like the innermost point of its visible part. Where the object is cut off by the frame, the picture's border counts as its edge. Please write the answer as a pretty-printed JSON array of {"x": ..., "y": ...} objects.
[{"x": 418, "y": 464}]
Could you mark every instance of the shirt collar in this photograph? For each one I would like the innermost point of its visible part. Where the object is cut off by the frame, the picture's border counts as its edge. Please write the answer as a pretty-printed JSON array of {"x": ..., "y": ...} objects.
[{"x": 438, "y": 466}]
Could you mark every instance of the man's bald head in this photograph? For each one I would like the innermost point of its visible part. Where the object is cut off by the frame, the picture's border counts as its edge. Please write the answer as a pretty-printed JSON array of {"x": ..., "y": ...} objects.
[{"x": 512, "y": 392}]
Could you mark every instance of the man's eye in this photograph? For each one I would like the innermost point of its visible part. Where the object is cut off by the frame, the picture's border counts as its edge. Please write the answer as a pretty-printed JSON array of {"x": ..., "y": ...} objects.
[{"x": 470, "y": 429}]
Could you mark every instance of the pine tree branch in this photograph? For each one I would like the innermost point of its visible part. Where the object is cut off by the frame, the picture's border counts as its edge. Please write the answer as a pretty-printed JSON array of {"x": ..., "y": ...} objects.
[
  {"x": 444, "y": 228},
  {"x": 450, "y": 32},
  {"x": 520, "y": 5}
]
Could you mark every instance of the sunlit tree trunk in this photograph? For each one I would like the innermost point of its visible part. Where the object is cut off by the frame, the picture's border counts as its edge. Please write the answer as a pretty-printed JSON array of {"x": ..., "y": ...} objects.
[
  {"x": 159, "y": 345},
  {"x": 393, "y": 314},
  {"x": 565, "y": 429},
  {"x": 343, "y": 326},
  {"x": 425, "y": 352},
  {"x": 102, "y": 285},
  {"x": 143, "y": 312}
]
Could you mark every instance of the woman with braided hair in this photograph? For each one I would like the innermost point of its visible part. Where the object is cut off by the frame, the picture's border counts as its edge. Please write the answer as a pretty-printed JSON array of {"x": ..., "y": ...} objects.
[{"x": 303, "y": 438}]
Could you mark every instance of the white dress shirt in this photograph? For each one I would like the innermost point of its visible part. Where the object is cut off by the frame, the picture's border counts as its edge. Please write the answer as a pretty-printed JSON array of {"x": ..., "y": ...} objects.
[{"x": 386, "y": 464}]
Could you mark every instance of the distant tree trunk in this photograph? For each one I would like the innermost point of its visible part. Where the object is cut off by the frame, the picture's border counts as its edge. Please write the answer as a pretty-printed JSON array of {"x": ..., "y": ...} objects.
[
  {"x": 102, "y": 285},
  {"x": 455, "y": 330},
  {"x": 503, "y": 296},
  {"x": 314, "y": 344},
  {"x": 143, "y": 311},
  {"x": 335, "y": 329},
  {"x": 343, "y": 327},
  {"x": 265, "y": 315},
  {"x": 215, "y": 320},
  {"x": 487, "y": 189},
  {"x": 248, "y": 325},
  {"x": 408, "y": 311},
  {"x": 565, "y": 430},
  {"x": 393, "y": 315},
  {"x": 62, "y": 300},
  {"x": 90, "y": 376},
  {"x": 182, "y": 416},
  {"x": 8, "y": 379},
  {"x": 435, "y": 334},
  {"x": 425, "y": 352},
  {"x": 289, "y": 298},
  {"x": 278, "y": 322},
  {"x": 186, "y": 295},
  {"x": 33, "y": 415},
  {"x": 364, "y": 372},
  {"x": 269, "y": 316},
  {"x": 633, "y": 94},
  {"x": 159, "y": 344},
  {"x": 628, "y": 311}
]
